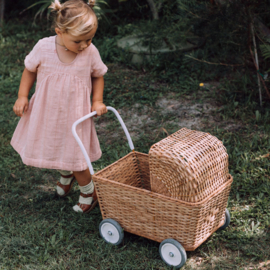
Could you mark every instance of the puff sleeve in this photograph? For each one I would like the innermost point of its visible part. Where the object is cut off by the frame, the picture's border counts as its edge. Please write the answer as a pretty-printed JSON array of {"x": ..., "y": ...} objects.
[
  {"x": 33, "y": 59},
  {"x": 98, "y": 68}
]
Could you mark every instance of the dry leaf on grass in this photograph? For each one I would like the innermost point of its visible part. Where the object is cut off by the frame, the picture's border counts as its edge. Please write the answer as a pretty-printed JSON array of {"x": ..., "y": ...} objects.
[
  {"x": 263, "y": 265},
  {"x": 165, "y": 131},
  {"x": 199, "y": 260},
  {"x": 263, "y": 156}
]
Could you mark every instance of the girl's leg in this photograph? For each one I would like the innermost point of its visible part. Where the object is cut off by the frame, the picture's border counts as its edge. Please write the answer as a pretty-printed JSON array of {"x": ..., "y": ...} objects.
[
  {"x": 83, "y": 178},
  {"x": 65, "y": 183},
  {"x": 87, "y": 199}
]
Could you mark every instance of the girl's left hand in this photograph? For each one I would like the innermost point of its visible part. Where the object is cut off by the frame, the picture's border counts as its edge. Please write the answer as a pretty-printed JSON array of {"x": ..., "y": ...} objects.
[{"x": 99, "y": 107}]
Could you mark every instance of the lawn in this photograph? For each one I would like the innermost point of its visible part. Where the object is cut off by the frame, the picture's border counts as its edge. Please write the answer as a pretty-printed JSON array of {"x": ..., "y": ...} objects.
[{"x": 40, "y": 231}]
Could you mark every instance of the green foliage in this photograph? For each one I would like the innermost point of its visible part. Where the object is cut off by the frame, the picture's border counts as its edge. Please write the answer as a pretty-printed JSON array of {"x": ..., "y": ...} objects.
[
  {"x": 226, "y": 29},
  {"x": 265, "y": 51},
  {"x": 43, "y": 6}
]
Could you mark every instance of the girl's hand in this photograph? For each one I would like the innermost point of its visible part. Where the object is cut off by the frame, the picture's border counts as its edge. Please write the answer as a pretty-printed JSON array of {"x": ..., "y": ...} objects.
[
  {"x": 99, "y": 107},
  {"x": 21, "y": 106}
]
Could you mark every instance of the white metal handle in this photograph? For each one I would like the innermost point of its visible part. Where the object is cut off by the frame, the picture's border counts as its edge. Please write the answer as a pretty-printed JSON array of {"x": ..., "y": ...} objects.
[{"x": 80, "y": 142}]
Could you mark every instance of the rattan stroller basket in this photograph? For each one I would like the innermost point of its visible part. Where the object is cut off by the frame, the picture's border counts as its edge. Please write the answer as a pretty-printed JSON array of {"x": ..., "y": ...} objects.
[
  {"x": 124, "y": 194},
  {"x": 188, "y": 165}
]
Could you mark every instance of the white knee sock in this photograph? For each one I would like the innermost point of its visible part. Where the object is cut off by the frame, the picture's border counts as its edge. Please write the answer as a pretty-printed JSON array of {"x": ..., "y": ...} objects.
[
  {"x": 64, "y": 181},
  {"x": 88, "y": 189}
]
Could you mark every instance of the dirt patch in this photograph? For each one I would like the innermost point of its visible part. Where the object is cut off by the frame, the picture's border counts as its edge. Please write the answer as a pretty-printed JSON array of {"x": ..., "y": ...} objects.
[
  {"x": 46, "y": 188},
  {"x": 194, "y": 112},
  {"x": 222, "y": 259},
  {"x": 190, "y": 114}
]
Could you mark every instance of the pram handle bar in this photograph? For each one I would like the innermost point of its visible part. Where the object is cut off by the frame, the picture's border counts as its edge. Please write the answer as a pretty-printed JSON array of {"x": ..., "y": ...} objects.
[{"x": 80, "y": 142}]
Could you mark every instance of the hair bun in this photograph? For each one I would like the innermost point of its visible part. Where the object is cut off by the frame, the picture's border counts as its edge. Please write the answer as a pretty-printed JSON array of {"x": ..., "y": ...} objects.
[
  {"x": 91, "y": 3},
  {"x": 56, "y": 5}
]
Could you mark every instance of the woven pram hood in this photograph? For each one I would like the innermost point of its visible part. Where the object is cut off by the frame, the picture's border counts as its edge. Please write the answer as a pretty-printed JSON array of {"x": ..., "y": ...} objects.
[{"x": 188, "y": 165}]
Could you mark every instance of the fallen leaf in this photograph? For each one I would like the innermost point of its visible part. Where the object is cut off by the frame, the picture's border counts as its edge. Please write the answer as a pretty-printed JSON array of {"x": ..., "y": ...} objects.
[
  {"x": 198, "y": 260},
  {"x": 165, "y": 131},
  {"x": 263, "y": 156},
  {"x": 262, "y": 264}
]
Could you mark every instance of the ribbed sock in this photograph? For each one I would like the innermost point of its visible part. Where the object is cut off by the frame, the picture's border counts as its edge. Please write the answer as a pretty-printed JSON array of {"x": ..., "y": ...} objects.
[
  {"x": 64, "y": 181},
  {"x": 88, "y": 189}
]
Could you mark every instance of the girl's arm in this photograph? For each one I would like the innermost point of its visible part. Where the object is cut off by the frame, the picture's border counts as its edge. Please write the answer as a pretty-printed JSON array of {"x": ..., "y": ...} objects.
[
  {"x": 27, "y": 81},
  {"x": 97, "y": 95}
]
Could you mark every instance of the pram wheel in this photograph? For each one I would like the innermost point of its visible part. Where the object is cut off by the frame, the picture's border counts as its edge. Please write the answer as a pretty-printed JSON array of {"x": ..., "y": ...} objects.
[
  {"x": 111, "y": 231},
  {"x": 227, "y": 220},
  {"x": 172, "y": 253}
]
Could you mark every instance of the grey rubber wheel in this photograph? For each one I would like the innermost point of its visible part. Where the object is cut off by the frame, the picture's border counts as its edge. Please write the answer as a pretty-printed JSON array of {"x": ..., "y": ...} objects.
[
  {"x": 172, "y": 253},
  {"x": 227, "y": 220},
  {"x": 111, "y": 231}
]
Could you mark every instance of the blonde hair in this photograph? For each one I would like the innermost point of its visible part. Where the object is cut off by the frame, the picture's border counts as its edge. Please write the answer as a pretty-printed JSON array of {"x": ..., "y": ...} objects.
[{"x": 74, "y": 16}]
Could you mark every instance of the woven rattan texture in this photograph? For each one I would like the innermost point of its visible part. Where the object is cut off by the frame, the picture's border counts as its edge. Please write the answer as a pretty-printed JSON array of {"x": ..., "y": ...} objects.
[
  {"x": 133, "y": 169},
  {"x": 153, "y": 215},
  {"x": 158, "y": 186},
  {"x": 188, "y": 165}
]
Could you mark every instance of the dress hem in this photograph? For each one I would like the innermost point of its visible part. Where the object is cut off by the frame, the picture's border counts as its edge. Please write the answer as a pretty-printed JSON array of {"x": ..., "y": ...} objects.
[{"x": 44, "y": 164}]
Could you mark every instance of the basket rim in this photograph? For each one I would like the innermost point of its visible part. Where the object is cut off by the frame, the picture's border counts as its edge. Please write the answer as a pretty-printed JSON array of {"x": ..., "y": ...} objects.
[
  {"x": 117, "y": 161},
  {"x": 163, "y": 197}
]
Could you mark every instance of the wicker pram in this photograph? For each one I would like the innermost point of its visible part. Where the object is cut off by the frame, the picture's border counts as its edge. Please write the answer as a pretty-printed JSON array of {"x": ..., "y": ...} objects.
[{"x": 126, "y": 201}]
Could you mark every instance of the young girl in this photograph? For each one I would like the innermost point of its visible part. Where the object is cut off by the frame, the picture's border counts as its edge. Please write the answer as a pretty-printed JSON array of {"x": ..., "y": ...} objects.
[{"x": 68, "y": 68}]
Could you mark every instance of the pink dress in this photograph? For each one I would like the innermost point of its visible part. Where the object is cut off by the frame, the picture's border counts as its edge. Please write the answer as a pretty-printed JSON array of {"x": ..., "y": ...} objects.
[{"x": 43, "y": 137}]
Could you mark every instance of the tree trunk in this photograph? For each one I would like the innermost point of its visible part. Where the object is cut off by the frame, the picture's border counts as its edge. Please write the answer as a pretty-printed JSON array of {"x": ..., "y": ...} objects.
[
  {"x": 153, "y": 9},
  {"x": 2, "y": 8}
]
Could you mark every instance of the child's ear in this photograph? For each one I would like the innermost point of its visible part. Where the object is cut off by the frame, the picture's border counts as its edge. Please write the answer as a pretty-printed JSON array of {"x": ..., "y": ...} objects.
[{"x": 58, "y": 31}]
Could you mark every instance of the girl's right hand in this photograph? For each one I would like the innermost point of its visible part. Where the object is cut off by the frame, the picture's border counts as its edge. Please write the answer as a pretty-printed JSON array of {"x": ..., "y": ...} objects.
[{"x": 21, "y": 106}]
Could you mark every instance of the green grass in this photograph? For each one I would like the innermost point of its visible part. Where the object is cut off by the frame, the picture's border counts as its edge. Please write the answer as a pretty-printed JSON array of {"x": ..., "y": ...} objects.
[{"x": 40, "y": 231}]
